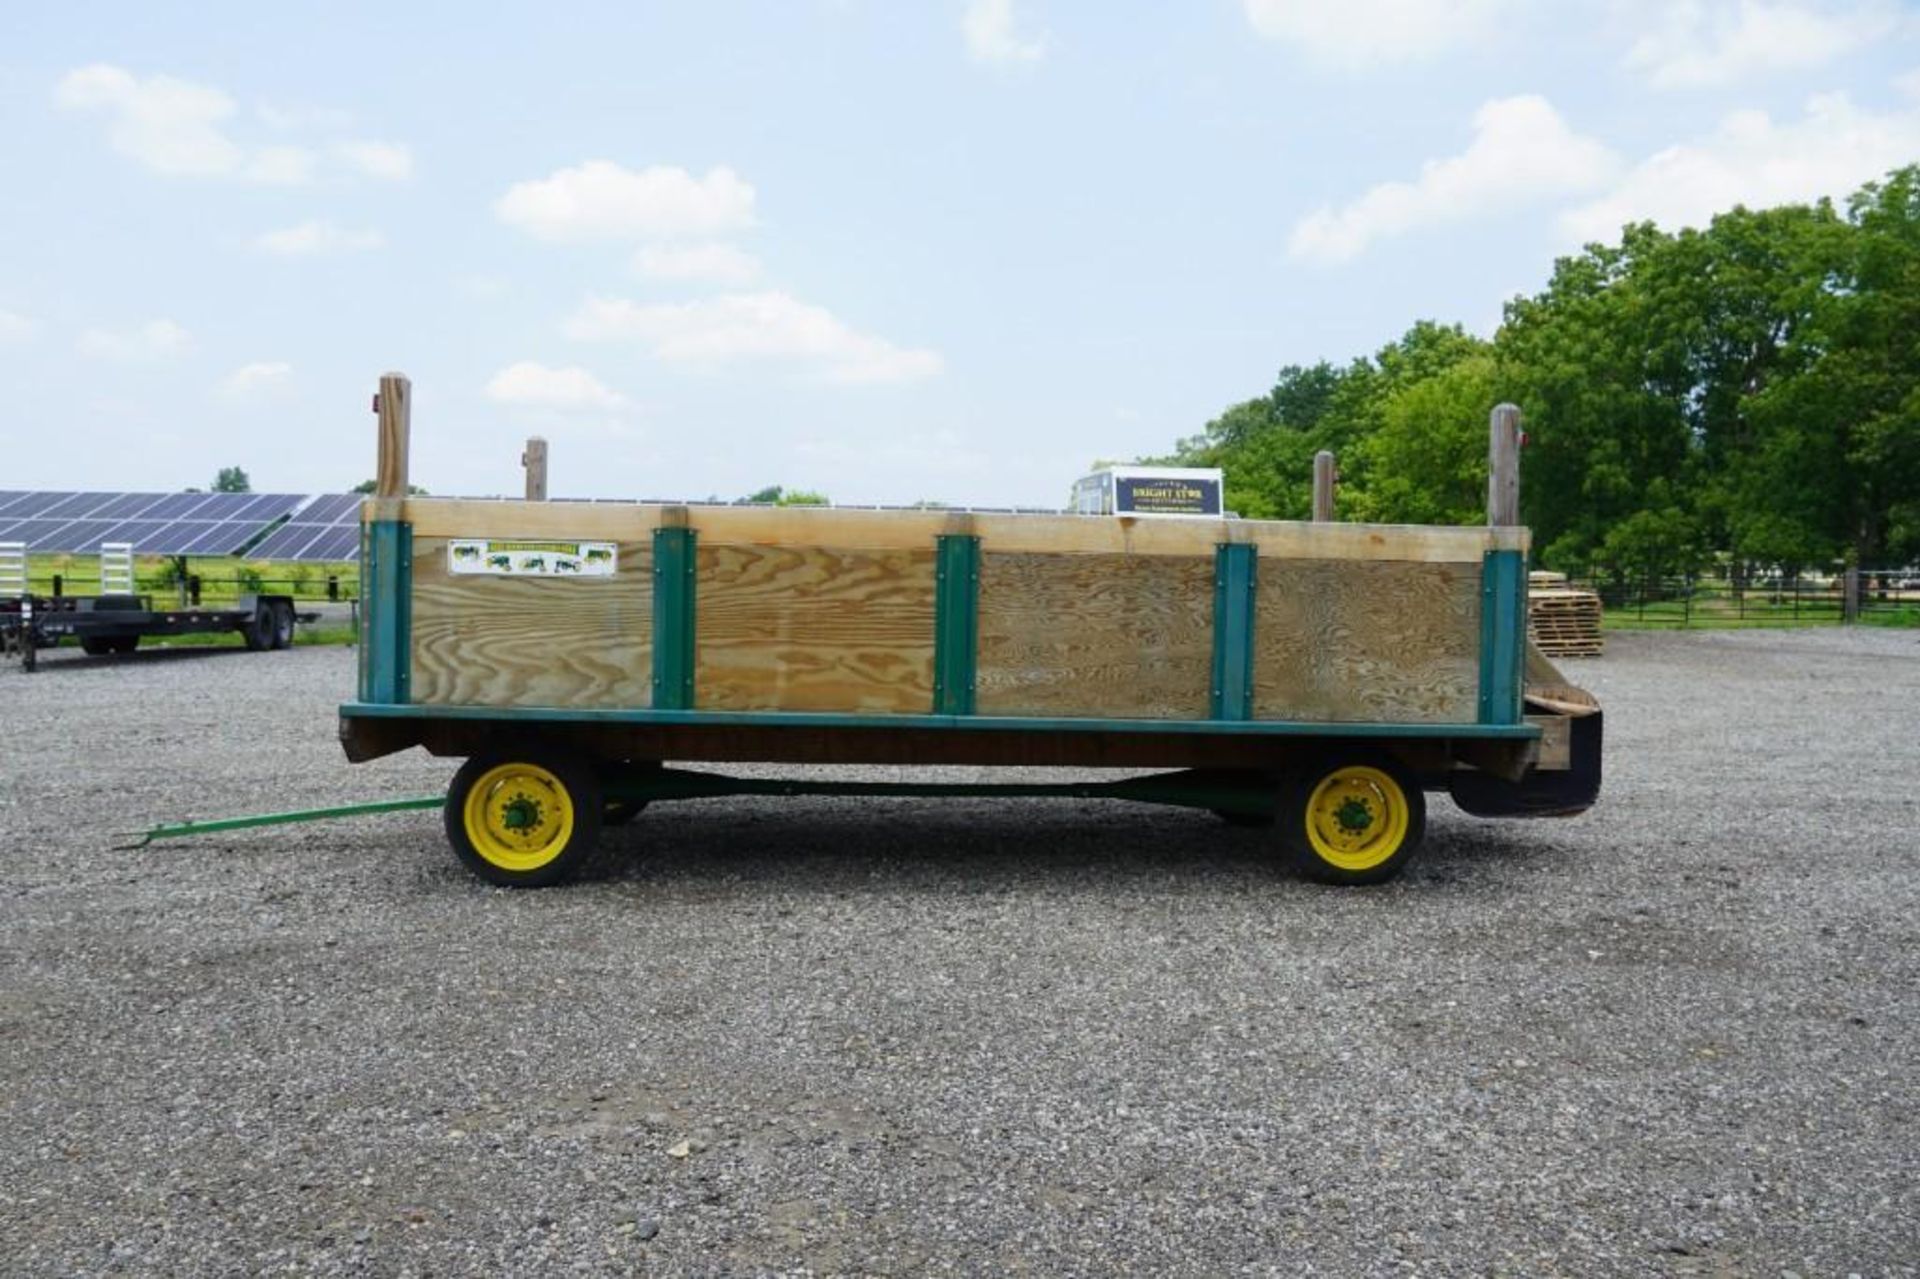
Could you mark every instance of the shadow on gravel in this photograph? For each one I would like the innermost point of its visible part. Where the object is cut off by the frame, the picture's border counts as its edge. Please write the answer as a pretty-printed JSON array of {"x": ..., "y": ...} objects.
[
  {"x": 878, "y": 844},
  {"x": 59, "y": 662},
  {"x": 907, "y": 844}
]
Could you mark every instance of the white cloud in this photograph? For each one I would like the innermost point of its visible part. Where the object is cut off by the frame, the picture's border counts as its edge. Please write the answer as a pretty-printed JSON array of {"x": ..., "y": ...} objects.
[
  {"x": 989, "y": 28},
  {"x": 168, "y": 125},
  {"x": 261, "y": 380},
  {"x": 390, "y": 161},
  {"x": 1692, "y": 44},
  {"x": 1362, "y": 33},
  {"x": 15, "y": 327},
  {"x": 182, "y": 129},
  {"x": 281, "y": 166},
  {"x": 531, "y": 385},
  {"x": 716, "y": 263},
  {"x": 315, "y": 236},
  {"x": 1522, "y": 150},
  {"x": 1750, "y": 159},
  {"x": 328, "y": 119},
  {"x": 600, "y": 200},
  {"x": 1909, "y": 84},
  {"x": 744, "y": 326},
  {"x": 154, "y": 340}
]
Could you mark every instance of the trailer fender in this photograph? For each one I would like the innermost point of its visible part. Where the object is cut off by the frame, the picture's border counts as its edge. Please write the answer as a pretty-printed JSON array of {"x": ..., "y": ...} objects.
[{"x": 1542, "y": 792}]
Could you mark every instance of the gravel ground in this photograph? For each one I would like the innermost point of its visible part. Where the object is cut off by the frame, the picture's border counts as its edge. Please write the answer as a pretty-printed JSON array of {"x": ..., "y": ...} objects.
[{"x": 1061, "y": 1037}]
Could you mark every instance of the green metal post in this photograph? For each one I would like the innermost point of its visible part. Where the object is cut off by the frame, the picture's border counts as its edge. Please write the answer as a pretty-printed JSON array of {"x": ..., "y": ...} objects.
[
  {"x": 674, "y": 567},
  {"x": 1234, "y": 582},
  {"x": 387, "y": 675},
  {"x": 956, "y": 618},
  {"x": 1503, "y": 635}
]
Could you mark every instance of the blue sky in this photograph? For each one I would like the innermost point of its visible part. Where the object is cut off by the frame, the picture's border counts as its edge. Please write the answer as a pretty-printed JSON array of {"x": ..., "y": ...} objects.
[{"x": 893, "y": 251}]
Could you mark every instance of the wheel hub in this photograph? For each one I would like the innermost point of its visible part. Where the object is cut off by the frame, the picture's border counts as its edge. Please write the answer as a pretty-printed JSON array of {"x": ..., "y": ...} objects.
[
  {"x": 521, "y": 813},
  {"x": 1354, "y": 816}
]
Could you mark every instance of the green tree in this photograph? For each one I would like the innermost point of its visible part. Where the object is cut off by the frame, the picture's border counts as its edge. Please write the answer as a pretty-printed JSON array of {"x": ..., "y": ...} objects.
[
  {"x": 775, "y": 495},
  {"x": 1838, "y": 462},
  {"x": 232, "y": 479}
]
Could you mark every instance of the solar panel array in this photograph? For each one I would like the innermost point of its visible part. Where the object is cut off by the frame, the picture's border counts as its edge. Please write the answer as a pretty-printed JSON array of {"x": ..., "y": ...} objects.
[
  {"x": 327, "y": 528},
  {"x": 155, "y": 523}
]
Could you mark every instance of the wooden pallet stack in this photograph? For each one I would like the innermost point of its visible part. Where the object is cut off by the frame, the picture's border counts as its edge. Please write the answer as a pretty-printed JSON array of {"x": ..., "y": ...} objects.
[{"x": 1564, "y": 622}]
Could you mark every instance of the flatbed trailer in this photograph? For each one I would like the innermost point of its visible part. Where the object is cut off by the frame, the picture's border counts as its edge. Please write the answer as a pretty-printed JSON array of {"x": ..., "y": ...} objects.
[
  {"x": 104, "y": 624},
  {"x": 1315, "y": 678}
]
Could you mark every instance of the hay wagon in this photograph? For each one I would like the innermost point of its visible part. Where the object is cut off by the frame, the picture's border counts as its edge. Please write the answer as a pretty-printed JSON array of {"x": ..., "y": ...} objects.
[{"x": 1317, "y": 678}]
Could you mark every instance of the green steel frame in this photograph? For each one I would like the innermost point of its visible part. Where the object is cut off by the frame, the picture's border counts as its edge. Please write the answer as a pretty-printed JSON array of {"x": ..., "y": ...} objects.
[
  {"x": 1503, "y": 636},
  {"x": 386, "y": 671},
  {"x": 956, "y": 623},
  {"x": 984, "y": 723},
  {"x": 675, "y": 570},
  {"x": 1234, "y": 581}
]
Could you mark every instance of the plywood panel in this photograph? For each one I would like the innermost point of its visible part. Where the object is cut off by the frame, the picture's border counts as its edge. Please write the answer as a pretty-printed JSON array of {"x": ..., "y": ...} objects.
[
  {"x": 1107, "y": 635},
  {"x": 505, "y": 518},
  {"x": 814, "y": 629},
  {"x": 532, "y": 641},
  {"x": 1362, "y": 641}
]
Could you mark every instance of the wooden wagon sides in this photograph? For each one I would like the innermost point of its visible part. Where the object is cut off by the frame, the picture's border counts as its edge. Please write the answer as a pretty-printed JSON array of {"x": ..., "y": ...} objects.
[{"x": 878, "y": 613}]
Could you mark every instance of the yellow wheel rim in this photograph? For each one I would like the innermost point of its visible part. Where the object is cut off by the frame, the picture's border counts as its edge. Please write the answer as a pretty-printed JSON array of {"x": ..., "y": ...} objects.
[
  {"x": 1356, "y": 818},
  {"x": 519, "y": 817}
]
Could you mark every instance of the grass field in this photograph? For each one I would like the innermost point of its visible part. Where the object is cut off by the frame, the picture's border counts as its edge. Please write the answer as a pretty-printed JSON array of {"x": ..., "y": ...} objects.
[{"x": 223, "y": 578}]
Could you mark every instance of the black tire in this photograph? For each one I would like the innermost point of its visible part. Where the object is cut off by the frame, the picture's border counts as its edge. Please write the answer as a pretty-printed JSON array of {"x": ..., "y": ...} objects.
[
  {"x": 1245, "y": 821},
  {"x": 496, "y": 796},
  {"x": 95, "y": 645},
  {"x": 282, "y": 616},
  {"x": 258, "y": 632},
  {"x": 125, "y": 643},
  {"x": 1387, "y": 824}
]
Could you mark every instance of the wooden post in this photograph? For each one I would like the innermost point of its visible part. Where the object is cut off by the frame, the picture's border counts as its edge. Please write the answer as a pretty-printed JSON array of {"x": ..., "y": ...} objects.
[
  {"x": 1503, "y": 467},
  {"x": 394, "y": 404},
  {"x": 1323, "y": 482},
  {"x": 535, "y": 460}
]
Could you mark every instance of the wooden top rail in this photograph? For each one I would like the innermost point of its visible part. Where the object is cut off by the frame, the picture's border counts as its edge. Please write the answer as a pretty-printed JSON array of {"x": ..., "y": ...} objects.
[{"x": 884, "y": 530}]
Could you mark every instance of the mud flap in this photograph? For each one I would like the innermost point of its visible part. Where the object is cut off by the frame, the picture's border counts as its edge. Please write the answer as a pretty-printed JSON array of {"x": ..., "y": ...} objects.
[{"x": 1555, "y": 793}]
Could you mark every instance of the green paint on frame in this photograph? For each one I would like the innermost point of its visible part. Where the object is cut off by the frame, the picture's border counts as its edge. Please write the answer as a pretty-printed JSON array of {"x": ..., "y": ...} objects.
[
  {"x": 988, "y": 723},
  {"x": 1503, "y": 636},
  {"x": 388, "y": 673},
  {"x": 674, "y": 616},
  {"x": 956, "y": 623},
  {"x": 1234, "y": 581}
]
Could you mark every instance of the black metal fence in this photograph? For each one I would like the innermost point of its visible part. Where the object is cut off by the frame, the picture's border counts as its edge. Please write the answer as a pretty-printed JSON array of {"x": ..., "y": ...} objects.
[{"x": 1883, "y": 597}]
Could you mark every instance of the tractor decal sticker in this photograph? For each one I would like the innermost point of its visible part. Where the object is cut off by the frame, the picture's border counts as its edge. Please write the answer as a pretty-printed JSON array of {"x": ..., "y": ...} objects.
[{"x": 532, "y": 559}]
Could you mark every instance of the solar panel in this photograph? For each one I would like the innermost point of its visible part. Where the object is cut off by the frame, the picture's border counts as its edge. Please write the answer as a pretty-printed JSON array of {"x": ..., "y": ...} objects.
[
  {"x": 156, "y": 523},
  {"x": 30, "y": 504},
  {"x": 128, "y": 505},
  {"x": 327, "y": 528}
]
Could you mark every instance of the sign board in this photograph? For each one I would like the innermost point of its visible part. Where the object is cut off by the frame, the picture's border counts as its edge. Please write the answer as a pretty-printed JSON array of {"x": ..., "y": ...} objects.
[
  {"x": 1146, "y": 495},
  {"x": 532, "y": 559},
  {"x": 1193, "y": 492}
]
